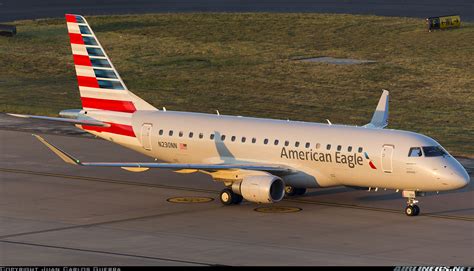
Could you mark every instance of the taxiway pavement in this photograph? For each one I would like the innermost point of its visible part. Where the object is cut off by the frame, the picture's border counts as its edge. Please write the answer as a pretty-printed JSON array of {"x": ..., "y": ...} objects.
[{"x": 52, "y": 213}]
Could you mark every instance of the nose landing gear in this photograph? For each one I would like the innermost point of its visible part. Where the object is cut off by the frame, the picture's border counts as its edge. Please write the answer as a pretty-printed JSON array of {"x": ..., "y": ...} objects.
[{"x": 412, "y": 209}]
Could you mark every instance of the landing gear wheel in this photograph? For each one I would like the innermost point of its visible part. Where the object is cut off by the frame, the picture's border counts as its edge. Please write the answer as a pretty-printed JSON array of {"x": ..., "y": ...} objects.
[
  {"x": 237, "y": 199},
  {"x": 227, "y": 197},
  {"x": 416, "y": 209},
  {"x": 410, "y": 211},
  {"x": 290, "y": 191},
  {"x": 300, "y": 191}
]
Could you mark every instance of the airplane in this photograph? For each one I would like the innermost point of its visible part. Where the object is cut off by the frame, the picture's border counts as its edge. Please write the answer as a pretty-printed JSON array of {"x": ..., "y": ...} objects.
[{"x": 259, "y": 160}]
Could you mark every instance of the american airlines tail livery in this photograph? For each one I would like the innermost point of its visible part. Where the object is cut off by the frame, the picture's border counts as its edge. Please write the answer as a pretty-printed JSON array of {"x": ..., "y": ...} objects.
[{"x": 259, "y": 160}]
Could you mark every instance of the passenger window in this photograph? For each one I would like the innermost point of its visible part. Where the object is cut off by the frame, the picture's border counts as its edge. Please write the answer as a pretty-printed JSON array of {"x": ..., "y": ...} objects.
[
  {"x": 180, "y": 134},
  {"x": 307, "y": 145},
  {"x": 254, "y": 140},
  {"x": 211, "y": 136},
  {"x": 297, "y": 144},
  {"x": 191, "y": 134},
  {"x": 276, "y": 142},
  {"x": 171, "y": 132},
  {"x": 349, "y": 149},
  {"x": 339, "y": 147},
  {"x": 201, "y": 135},
  {"x": 318, "y": 145},
  {"x": 222, "y": 137},
  {"x": 160, "y": 132},
  {"x": 265, "y": 141},
  {"x": 243, "y": 139},
  {"x": 328, "y": 147},
  {"x": 232, "y": 138},
  {"x": 287, "y": 143},
  {"x": 360, "y": 149},
  {"x": 415, "y": 152}
]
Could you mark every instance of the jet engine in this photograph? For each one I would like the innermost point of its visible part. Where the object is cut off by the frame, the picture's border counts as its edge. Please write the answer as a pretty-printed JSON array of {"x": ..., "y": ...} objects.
[{"x": 260, "y": 188}]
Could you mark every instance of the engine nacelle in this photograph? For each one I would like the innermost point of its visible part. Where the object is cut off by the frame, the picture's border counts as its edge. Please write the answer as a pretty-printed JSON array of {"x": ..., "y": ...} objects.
[{"x": 260, "y": 188}]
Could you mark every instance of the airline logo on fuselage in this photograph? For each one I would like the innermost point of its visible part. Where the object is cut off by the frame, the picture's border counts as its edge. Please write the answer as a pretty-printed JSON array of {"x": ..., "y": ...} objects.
[{"x": 351, "y": 160}]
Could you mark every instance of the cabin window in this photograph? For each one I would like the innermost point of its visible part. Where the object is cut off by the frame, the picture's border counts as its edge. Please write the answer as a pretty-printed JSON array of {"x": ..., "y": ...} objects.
[
  {"x": 287, "y": 142},
  {"x": 307, "y": 145},
  {"x": 276, "y": 142},
  {"x": 360, "y": 149},
  {"x": 191, "y": 134},
  {"x": 254, "y": 140},
  {"x": 222, "y": 137},
  {"x": 211, "y": 136},
  {"x": 170, "y": 133},
  {"x": 265, "y": 141},
  {"x": 318, "y": 145},
  {"x": 297, "y": 144},
  {"x": 328, "y": 147},
  {"x": 243, "y": 139},
  {"x": 232, "y": 138},
  {"x": 201, "y": 135},
  {"x": 415, "y": 152},
  {"x": 349, "y": 149},
  {"x": 339, "y": 147},
  {"x": 432, "y": 151},
  {"x": 180, "y": 134},
  {"x": 160, "y": 132}
]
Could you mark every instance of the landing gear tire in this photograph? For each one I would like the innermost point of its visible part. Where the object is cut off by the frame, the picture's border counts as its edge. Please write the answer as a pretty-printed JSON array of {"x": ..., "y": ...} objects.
[
  {"x": 300, "y": 191},
  {"x": 416, "y": 209},
  {"x": 290, "y": 191},
  {"x": 409, "y": 211},
  {"x": 237, "y": 199},
  {"x": 293, "y": 191},
  {"x": 227, "y": 197},
  {"x": 412, "y": 210}
]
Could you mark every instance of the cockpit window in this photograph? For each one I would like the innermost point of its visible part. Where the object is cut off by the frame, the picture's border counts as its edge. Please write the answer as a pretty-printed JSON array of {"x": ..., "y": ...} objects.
[
  {"x": 415, "y": 152},
  {"x": 432, "y": 151}
]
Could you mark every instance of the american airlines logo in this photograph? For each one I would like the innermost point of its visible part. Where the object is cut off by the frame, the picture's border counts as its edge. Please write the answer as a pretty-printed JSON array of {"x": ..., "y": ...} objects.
[{"x": 351, "y": 160}]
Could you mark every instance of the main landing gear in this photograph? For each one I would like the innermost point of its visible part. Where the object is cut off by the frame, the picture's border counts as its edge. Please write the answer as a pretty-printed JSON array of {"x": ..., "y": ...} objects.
[
  {"x": 412, "y": 209},
  {"x": 293, "y": 191},
  {"x": 228, "y": 197}
]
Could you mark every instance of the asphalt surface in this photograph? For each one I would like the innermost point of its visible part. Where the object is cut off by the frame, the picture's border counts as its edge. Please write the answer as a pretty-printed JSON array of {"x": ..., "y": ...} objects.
[
  {"x": 30, "y": 9},
  {"x": 52, "y": 213}
]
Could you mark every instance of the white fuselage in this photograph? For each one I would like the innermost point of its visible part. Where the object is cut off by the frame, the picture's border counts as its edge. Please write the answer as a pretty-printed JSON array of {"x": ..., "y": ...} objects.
[{"x": 302, "y": 146}]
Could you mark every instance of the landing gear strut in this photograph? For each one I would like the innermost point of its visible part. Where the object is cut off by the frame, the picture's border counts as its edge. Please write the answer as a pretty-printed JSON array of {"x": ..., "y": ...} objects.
[
  {"x": 228, "y": 197},
  {"x": 412, "y": 209},
  {"x": 293, "y": 191}
]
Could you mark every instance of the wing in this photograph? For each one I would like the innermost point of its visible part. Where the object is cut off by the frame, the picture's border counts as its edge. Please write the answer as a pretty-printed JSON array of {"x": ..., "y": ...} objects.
[
  {"x": 380, "y": 117},
  {"x": 141, "y": 166}
]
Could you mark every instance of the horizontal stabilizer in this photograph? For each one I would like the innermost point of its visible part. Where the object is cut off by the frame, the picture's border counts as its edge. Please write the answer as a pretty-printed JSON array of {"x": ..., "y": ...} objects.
[
  {"x": 380, "y": 117},
  {"x": 72, "y": 121}
]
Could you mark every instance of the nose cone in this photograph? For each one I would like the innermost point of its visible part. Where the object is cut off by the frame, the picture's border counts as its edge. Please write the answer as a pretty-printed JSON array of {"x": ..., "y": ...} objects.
[{"x": 459, "y": 178}]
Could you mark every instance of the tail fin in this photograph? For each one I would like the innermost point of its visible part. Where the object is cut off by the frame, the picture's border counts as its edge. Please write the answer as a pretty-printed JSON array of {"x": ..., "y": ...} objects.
[{"x": 100, "y": 85}]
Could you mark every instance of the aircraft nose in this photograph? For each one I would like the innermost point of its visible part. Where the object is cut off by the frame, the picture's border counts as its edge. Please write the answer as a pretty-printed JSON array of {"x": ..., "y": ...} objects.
[{"x": 460, "y": 178}]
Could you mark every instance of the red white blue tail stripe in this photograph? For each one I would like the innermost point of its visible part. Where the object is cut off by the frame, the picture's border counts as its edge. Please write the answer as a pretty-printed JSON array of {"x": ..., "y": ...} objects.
[{"x": 100, "y": 85}]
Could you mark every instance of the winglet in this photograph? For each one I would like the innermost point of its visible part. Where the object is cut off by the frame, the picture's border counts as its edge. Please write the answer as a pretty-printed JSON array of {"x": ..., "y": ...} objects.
[
  {"x": 380, "y": 117},
  {"x": 62, "y": 154}
]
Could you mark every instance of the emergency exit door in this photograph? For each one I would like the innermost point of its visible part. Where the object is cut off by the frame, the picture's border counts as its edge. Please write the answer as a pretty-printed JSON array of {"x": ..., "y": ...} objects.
[
  {"x": 387, "y": 156},
  {"x": 146, "y": 136}
]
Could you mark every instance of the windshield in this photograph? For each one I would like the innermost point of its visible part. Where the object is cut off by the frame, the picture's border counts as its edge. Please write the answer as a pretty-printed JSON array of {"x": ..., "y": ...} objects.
[
  {"x": 432, "y": 151},
  {"x": 414, "y": 152}
]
